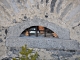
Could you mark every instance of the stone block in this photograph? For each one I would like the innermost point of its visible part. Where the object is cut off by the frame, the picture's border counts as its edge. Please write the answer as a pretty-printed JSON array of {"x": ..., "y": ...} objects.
[{"x": 41, "y": 42}]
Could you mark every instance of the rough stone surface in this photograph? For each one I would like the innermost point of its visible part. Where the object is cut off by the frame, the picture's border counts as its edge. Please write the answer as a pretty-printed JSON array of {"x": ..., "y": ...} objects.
[
  {"x": 1, "y": 40},
  {"x": 45, "y": 43},
  {"x": 12, "y": 13},
  {"x": 16, "y": 30}
]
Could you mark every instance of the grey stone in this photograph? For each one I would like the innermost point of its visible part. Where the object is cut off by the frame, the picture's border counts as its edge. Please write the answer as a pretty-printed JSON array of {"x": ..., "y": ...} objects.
[
  {"x": 65, "y": 54},
  {"x": 0, "y": 30},
  {"x": 41, "y": 1},
  {"x": 55, "y": 58},
  {"x": 52, "y": 5},
  {"x": 45, "y": 43},
  {"x": 14, "y": 6},
  {"x": 77, "y": 53},
  {"x": 77, "y": 58},
  {"x": 5, "y": 3},
  {"x": 14, "y": 21},
  {"x": 18, "y": 1},
  {"x": 59, "y": 6},
  {"x": 6, "y": 58},
  {"x": 19, "y": 28},
  {"x": 0, "y": 34},
  {"x": 65, "y": 11},
  {"x": 15, "y": 50},
  {"x": 71, "y": 58},
  {"x": 1, "y": 40},
  {"x": 72, "y": 13},
  {"x": 37, "y": 5}
]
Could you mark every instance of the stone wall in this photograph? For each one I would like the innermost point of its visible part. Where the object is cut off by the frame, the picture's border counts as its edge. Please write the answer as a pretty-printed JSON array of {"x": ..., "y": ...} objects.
[
  {"x": 16, "y": 30},
  {"x": 65, "y": 14}
]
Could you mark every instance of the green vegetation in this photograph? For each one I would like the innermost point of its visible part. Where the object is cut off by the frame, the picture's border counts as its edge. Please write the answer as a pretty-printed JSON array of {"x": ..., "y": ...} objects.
[{"x": 26, "y": 54}]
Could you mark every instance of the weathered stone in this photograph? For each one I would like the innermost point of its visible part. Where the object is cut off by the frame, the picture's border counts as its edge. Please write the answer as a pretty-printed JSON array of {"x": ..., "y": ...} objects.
[
  {"x": 59, "y": 6},
  {"x": 14, "y": 21},
  {"x": 71, "y": 58},
  {"x": 52, "y": 5},
  {"x": 0, "y": 30},
  {"x": 41, "y": 1},
  {"x": 6, "y": 58},
  {"x": 67, "y": 10},
  {"x": 65, "y": 54},
  {"x": 5, "y": 3},
  {"x": 72, "y": 13},
  {"x": 19, "y": 28},
  {"x": 6, "y": 31},
  {"x": 1, "y": 40},
  {"x": 18, "y": 1},
  {"x": 46, "y": 43},
  {"x": 0, "y": 35}
]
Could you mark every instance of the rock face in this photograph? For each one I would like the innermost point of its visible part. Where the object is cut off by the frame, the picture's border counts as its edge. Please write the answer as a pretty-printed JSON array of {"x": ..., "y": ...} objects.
[{"x": 61, "y": 16}]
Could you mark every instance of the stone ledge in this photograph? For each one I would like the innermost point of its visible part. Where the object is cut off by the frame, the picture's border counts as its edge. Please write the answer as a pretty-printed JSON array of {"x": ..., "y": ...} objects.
[{"x": 41, "y": 42}]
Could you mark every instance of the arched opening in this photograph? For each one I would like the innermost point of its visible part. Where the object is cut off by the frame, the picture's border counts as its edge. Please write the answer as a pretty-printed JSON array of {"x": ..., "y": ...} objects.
[{"x": 38, "y": 31}]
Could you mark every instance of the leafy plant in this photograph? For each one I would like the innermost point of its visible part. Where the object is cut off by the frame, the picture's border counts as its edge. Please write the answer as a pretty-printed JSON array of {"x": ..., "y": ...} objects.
[{"x": 26, "y": 54}]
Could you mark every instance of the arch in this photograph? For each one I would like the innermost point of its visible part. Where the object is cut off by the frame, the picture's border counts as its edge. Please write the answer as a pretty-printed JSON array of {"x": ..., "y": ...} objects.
[
  {"x": 38, "y": 31},
  {"x": 16, "y": 30}
]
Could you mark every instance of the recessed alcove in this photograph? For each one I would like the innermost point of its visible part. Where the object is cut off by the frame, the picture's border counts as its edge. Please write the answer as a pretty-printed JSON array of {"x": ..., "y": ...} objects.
[{"x": 38, "y": 31}]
